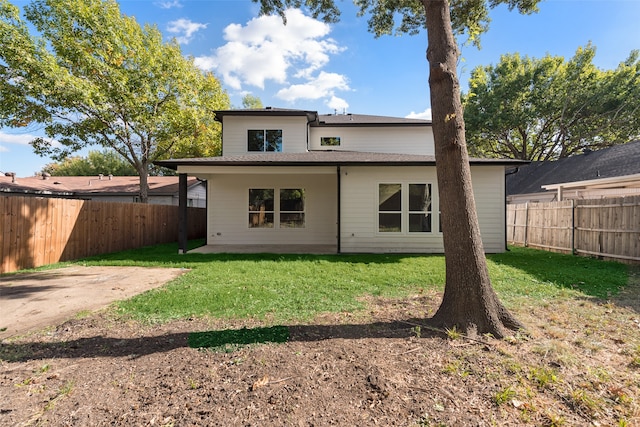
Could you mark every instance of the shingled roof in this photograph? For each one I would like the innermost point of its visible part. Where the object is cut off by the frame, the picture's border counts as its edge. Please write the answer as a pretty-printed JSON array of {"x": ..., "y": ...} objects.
[
  {"x": 366, "y": 120},
  {"x": 319, "y": 120},
  {"x": 323, "y": 158},
  {"x": 619, "y": 160}
]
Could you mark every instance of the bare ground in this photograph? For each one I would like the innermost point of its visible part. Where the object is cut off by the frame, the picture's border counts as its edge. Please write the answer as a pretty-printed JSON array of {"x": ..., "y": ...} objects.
[{"x": 578, "y": 365}]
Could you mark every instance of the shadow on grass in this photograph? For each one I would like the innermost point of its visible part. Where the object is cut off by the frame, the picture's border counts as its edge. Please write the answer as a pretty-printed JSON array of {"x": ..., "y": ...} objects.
[
  {"x": 222, "y": 341},
  {"x": 166, "y": 255},
  {"x": 592, "y": 277},
  {"x": 630, "y": 296}
]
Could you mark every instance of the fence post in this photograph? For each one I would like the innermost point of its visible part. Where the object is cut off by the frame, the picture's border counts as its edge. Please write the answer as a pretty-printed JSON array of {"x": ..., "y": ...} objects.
[
  {"x": 526, "y": 223},
  {"x": 183, "y": 229},
  {"x": 573, "y": 227}
]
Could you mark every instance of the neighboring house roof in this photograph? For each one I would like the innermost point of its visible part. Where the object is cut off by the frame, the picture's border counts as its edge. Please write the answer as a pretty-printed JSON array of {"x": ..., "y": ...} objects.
[
  {"x": 90, "y": 185},
  {"x": 619, "y": 160},
  {"x": 324, "y": 158}
]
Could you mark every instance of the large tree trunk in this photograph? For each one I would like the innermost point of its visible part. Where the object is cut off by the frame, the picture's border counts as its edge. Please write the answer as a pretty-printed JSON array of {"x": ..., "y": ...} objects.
[{"x": 469, "y": 301}]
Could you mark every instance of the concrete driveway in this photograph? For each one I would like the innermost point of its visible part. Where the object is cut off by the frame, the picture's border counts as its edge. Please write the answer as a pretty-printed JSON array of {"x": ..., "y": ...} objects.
[{"x": 32, "y": 301}]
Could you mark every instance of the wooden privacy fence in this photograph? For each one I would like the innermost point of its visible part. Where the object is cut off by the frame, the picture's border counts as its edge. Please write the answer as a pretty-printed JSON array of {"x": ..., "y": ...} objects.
[
  {"x": 38, "y": 231},
  {"x": 607, "y": 228}
]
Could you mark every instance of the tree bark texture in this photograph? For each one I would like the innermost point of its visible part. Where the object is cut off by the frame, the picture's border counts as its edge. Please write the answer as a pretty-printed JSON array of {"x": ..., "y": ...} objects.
[
  {"x": 469, "y": 301},
  {"x": 144, "y": 183}
]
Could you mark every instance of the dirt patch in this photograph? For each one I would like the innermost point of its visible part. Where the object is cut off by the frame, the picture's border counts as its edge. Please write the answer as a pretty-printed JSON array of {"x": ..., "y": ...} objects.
[
  {"x": 578, "y": 365},
  {"x": 34, "y": 300}
]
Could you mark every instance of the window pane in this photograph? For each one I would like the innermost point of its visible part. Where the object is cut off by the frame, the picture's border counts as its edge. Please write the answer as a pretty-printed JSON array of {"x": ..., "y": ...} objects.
[
  {"x": 420, "y": 222},
  {"x": 274, "y": 140},
  {"x": 390, "y": 222},
  {"x": 419, "y": 197},
  {"x": 330, "y": 141},
  {"x": 255, "y": 140},
  {"x": 261, "y": 220},
  {"x": 261, "y": 199},
  {"x": 292, "y": 220},
  {"x": 292, "y": 208},
  {"x": 390, "y": 197},
  {"x": 292, "y": 200}
]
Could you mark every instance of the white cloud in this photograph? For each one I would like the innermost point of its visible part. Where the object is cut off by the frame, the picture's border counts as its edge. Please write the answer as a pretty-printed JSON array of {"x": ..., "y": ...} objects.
[
  {"x": 320, "y": 87},
  {"x": 19, "y": 139},
  {"x": 267, "y": 50},
  {"x": 184, "y": 29},
  {"x": 425, "y": 115},
  {"x": 3, "y": 149},
  {"x": 337, "y": 104},
  {"x": 169, "y": 4}
]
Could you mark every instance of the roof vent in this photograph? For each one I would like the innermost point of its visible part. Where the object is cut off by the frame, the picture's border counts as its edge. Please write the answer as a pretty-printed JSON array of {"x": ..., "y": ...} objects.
[{"x": 268, "y": 108}]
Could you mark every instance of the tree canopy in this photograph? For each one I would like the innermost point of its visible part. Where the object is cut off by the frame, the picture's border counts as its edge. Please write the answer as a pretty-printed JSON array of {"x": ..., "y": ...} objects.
[
  {"x": 250, "y": 101},
  {"x": 92, "y": 76},
  {"x": 545, "y": 109},
  {"x": 105, "y": 162}
]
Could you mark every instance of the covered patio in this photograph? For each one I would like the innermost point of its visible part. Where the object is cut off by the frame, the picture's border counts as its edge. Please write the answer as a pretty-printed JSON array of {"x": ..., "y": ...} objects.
[{"x": 272, "y": 249}]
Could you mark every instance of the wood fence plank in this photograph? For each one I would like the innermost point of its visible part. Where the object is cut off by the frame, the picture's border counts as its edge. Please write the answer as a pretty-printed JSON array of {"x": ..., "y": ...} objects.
[{"x": 609, "y": 228}]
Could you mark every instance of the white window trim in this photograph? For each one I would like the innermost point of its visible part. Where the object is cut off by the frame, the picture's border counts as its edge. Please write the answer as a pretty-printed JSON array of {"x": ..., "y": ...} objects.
[
  {"x": 404, "y": 224},
  {"x": 276, "y": 209},
  {"x": 264, "y": 141}
]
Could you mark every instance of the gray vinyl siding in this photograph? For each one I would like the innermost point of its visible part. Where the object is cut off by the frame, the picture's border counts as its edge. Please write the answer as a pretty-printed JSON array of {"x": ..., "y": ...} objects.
[
  {"x": 228, "y": 215},
  {"x": 400, "y": 139},
  {"x": 359, "y": 222},
  {"x": 234, "y": 133},
  {"x": 489, "y": 193},
  {"x": 359, "y": 203}
]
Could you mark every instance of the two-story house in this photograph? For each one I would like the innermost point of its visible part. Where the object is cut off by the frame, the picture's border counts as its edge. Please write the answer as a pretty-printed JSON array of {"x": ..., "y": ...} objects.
[{"x": 299, "y": 181}]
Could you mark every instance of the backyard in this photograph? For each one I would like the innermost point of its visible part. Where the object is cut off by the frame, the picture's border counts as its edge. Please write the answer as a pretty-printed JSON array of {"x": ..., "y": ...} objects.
[{"x": 334, "y": 340}]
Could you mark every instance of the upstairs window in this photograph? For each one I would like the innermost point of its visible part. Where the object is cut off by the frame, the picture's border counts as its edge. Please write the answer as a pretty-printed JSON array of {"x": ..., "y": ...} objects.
[
  {"x": 330, "y": 141},
  {"x": 264, "y": 140}
]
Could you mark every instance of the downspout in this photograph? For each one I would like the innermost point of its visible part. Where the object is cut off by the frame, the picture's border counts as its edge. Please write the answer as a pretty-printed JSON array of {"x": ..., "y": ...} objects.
[
  {"x": 308, "y": 126},
  {"x": 504, "y": 215},
  {"x": 513, "y": 172},
  {"x": 339, "y": 249}
]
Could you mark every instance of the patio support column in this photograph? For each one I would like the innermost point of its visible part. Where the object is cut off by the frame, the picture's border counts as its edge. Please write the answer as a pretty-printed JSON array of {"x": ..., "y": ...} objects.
[
  {"x": 338, "y": 249},
  {"x": 182, "y": 213}
]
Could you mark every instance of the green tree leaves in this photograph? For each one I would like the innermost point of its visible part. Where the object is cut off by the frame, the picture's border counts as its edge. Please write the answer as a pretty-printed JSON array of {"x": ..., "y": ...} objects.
[
  {"x": 92, "y": 76},
  {"x": 105, "y": 162},
  {"x": 548, "y": 108}
]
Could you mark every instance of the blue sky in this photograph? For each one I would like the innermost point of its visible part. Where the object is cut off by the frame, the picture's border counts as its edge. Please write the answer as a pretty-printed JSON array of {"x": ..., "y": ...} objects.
[{"x": 342, "y": 67}]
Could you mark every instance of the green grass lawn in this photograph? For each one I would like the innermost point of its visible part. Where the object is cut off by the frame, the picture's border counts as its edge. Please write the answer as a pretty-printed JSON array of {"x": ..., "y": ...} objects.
[{"x": 298, "y": 287}]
